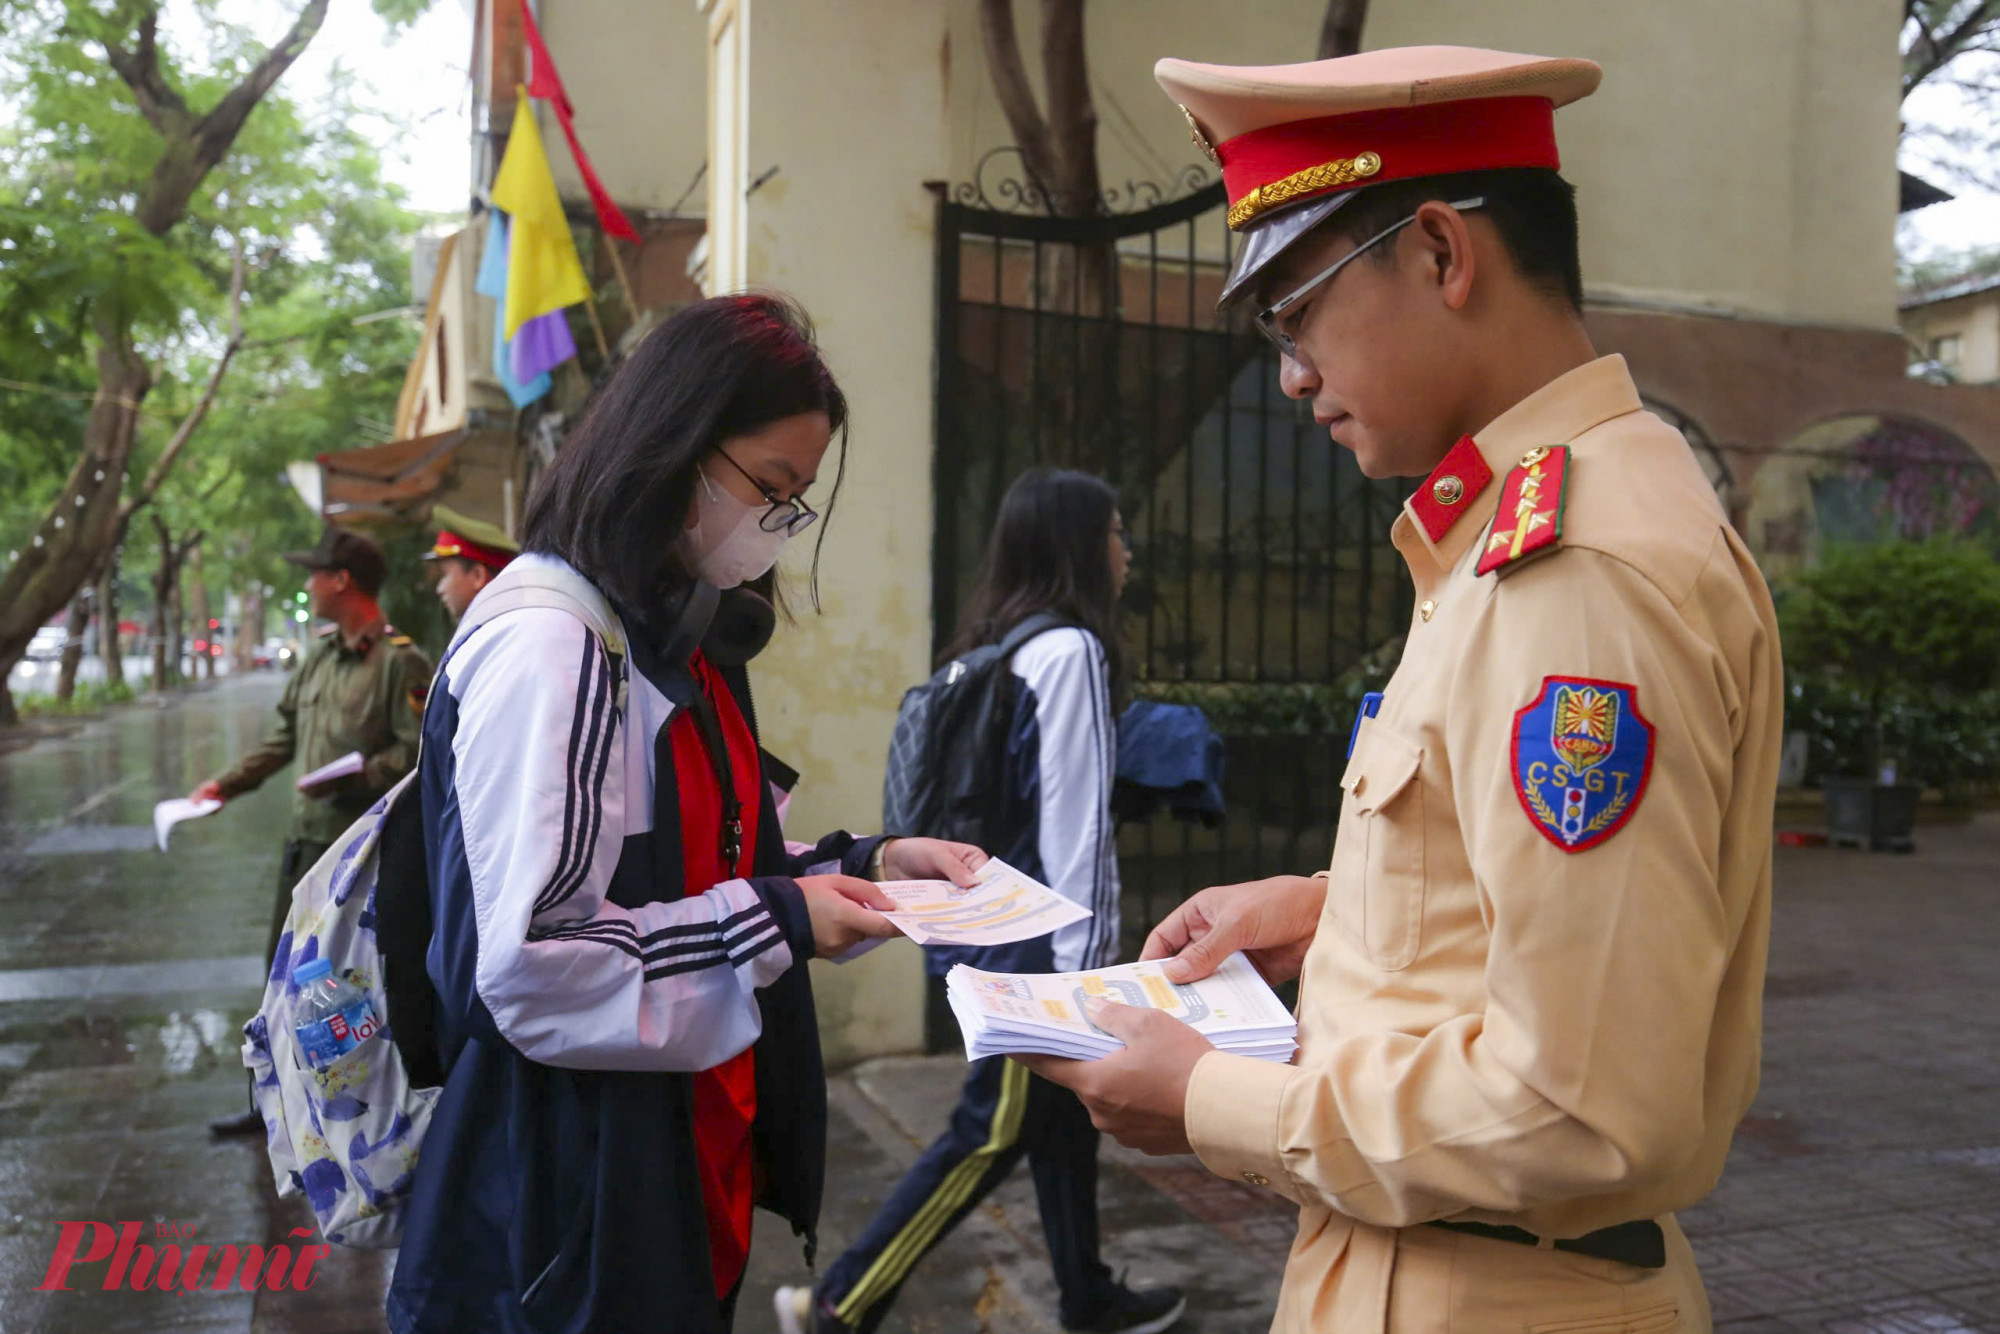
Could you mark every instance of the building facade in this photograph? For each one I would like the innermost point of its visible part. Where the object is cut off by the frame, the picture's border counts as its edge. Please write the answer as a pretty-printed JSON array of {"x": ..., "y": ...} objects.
[{"x": 1738, "y": 192}]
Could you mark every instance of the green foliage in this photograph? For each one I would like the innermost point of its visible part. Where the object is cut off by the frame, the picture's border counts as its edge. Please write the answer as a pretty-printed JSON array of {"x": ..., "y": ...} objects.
[
  {"x": 409, "y": 599},
  {"x": 1949, "y": 741},
  {"x": 1937, "y": 270},
  {"x": 1303, "y": 709},
  {"x": 1894, "y": 650},
  {"x": 1920, "y": 614},
  {"x": 326, "y": 240},
  {"x": 90, "y": 697}
]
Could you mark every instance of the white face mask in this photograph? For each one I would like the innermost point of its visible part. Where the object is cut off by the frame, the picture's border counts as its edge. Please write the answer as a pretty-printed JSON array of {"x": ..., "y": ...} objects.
[{"x": 727, "y": 546}]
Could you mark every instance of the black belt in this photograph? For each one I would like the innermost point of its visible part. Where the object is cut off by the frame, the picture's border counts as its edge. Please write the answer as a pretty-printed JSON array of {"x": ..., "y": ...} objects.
[{"x": 1641, "y": 1244}]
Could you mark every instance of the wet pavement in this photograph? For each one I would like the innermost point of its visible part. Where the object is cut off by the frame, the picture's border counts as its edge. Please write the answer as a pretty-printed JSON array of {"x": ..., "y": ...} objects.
[{"x": 1863, "y": 1196}]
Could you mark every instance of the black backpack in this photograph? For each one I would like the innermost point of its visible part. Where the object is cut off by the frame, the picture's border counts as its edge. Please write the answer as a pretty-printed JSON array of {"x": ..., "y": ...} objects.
[{"x": 947, "y": 756}]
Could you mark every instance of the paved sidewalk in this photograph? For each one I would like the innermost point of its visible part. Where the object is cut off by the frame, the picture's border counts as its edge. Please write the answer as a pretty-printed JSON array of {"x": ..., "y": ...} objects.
[{"x": 1863, "y": 1196}]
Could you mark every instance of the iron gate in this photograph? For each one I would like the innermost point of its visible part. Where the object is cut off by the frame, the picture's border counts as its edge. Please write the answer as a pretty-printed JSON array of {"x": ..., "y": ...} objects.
[{"x": 1264, "y": 590}]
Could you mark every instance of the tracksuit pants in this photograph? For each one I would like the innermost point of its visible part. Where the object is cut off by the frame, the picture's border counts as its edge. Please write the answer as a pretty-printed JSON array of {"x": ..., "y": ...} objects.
[{"x": 1002, "y": 1113}]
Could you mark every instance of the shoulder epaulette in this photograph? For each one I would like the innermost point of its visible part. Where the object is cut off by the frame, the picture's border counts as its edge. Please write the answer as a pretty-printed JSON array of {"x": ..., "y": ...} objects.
[{"x": 1530, "y": 518}]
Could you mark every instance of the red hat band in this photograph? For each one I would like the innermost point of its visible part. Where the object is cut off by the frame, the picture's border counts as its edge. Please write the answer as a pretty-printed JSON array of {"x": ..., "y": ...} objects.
[
  {"x": 1267, "y": 169},
  {"x": 451, "y": 544}
]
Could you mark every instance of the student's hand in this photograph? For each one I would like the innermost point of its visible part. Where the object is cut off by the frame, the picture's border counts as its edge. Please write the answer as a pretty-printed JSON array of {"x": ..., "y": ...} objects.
[
  {"x": 931, "y": 859},
  {"x": 209, "y": 791},
  {"x": 1273, "y": 921},
  {"x": 845, "y": 912},
  {"x": 1137, "y": 1095}
]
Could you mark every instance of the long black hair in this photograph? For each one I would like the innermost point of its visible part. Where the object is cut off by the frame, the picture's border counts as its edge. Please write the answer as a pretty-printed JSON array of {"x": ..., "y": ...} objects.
[
  {"x": 618, "y": 493},
  {"x": 1048, "y": 553}
]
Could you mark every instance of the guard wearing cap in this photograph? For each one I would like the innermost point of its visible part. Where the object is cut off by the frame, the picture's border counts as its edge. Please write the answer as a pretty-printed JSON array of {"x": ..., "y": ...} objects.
[
  {"x": 468, "y": 553},
  {"x": 1531, "y": 977},
  {"x": 359, "y": 691}
]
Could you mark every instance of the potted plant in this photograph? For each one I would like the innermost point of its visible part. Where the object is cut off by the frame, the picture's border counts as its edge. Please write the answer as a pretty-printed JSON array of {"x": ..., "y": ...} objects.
[{"x": 1886, "y": 624}]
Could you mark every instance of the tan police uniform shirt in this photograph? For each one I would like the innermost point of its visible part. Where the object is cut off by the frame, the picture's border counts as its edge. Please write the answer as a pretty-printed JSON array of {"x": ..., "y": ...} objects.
[
  {"x": 1495, "y": 1027},
  {"x": 365, "y": 696}
]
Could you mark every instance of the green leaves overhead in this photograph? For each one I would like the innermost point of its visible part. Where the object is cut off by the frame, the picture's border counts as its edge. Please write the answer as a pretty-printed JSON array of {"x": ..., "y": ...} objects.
[{"x": 326, "y": 238}]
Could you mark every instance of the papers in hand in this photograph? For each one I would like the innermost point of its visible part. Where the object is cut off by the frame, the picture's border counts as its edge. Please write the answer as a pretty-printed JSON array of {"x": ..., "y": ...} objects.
[
  {"x": 1001, "y": 1013},
  {"x": 345, "y": 767},
  {"x": 1001, "y": 906},
  {"x": 170, "y": 813}
]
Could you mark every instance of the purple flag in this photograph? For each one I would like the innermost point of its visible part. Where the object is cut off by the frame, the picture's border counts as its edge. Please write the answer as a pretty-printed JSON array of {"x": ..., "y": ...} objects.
[{"x": 540, "y": 344}]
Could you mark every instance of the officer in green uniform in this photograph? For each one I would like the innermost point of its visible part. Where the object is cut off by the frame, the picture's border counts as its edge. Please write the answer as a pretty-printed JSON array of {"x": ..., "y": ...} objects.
[{"x": 360, "y": 692}]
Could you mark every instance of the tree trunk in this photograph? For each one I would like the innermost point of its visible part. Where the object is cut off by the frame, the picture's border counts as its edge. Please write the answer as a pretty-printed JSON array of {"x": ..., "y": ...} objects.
[
  {"x": 176, "y": 628},
  {"x": 204, "y": 635},
  {"x": 76, "y": 532},
  {"x": 1059, "y": 150},
  {"x": 72, "y": 652},
  {"x": 110, "y": 648},
  {"x": 251, "y": 632},
  {"x": 168, "y": 613},
  {"x": 157, "y": 626},
  {"x": 1340, "y": 28}
]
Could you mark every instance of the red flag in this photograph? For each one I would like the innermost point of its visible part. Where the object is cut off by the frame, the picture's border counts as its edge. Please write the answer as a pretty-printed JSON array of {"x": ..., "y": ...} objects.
[{"x": 546, "y": 84}]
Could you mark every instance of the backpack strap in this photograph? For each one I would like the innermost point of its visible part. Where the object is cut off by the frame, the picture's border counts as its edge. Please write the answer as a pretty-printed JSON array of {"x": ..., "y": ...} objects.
[
  {"x": 522, "y": 585},
  {"x": 1027, "y": 629}
]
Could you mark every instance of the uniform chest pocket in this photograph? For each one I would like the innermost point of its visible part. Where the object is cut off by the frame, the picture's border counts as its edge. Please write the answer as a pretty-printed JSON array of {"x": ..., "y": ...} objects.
[{"x": 1377, "y": 882}]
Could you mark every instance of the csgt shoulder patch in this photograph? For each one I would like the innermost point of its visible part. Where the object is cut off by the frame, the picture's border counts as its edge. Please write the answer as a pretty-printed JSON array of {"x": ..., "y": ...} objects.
[{"x": 1582, "y": 756}]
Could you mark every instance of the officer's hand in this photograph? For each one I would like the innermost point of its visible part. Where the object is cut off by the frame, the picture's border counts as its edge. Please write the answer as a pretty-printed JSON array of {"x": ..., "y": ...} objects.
[
  {"x": 931, "y": 859},
  {"x": 845, "y": 912},
  {"x": 1138, "y": 1096},
  {"x": 1272, "y": 921},
  {"x": 209, "y": 791}
]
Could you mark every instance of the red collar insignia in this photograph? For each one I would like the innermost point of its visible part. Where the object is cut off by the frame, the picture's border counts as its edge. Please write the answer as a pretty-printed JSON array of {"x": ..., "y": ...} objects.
[{"x": 1450, "y": 489}]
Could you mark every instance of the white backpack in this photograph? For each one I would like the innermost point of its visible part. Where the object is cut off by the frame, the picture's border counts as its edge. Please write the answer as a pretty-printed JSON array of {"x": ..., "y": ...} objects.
[{"x": 348, "y": 1136}]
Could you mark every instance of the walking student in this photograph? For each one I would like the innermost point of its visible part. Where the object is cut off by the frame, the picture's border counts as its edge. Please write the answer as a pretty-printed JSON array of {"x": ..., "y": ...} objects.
[
  {"x": 1531, "y": 977},
  {"x": 1058, "y": 554},
  {"x": 620, "y": 936},
  {"x": 360, "y": 691}
]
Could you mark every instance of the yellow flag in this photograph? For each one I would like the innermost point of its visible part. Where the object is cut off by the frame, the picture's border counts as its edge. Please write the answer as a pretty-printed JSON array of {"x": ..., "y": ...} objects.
[{"x": 542, "y": 269}]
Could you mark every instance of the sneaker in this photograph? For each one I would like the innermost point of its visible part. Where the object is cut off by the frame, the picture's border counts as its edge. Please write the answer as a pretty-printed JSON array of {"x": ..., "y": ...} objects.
[
  {"x": 1134, "y": 1311},
  {"x": 799, "y": 1314}
]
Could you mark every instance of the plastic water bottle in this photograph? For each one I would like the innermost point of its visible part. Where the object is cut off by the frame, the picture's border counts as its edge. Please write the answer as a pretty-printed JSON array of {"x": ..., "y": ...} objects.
[{"x": 334, "y": 1016}]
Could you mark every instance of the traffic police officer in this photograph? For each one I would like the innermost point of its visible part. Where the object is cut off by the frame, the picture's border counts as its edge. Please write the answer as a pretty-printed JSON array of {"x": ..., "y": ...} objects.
[
  {"x": 468, "y": 552},
  {"x": 359, "y": 691},
  {"x": 1531, "y": 978}
]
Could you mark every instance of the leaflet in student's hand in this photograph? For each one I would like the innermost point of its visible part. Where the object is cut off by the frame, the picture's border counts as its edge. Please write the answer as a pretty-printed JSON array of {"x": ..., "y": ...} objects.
[{"x": 1001, "y": 906}]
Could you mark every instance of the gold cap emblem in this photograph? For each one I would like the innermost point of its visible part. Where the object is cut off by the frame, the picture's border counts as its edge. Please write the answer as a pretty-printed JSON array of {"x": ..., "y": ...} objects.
[{"x": 1200, "y": 139}]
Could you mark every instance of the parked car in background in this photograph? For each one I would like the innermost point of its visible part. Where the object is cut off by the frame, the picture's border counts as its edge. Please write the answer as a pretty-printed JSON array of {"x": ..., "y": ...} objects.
[
  {"x": 47, "y": 645},
  {"x": 275, "y": 652}
]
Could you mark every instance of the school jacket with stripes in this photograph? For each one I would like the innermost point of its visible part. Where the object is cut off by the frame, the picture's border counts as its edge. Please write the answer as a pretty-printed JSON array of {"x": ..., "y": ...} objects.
[
  {"x": 577, "y": 990},
  {"x": 1062, "y": 756}
]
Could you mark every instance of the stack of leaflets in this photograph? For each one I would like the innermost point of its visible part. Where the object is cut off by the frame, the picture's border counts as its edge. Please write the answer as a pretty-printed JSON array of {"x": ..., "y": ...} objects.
[{"x": 1044, "y": 1012}]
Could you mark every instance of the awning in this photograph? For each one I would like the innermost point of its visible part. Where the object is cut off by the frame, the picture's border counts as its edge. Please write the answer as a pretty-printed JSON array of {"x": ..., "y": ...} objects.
[{"x": 376, "y": 481}]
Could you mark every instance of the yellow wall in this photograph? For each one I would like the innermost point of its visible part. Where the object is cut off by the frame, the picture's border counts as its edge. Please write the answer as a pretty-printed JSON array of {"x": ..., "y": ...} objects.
[
  {"x": 1976, "y": 321},
  {"x": 1740, "y": 153},
  {"x": 636, "y": 72},
  {"x": 846, "y": 228}
]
